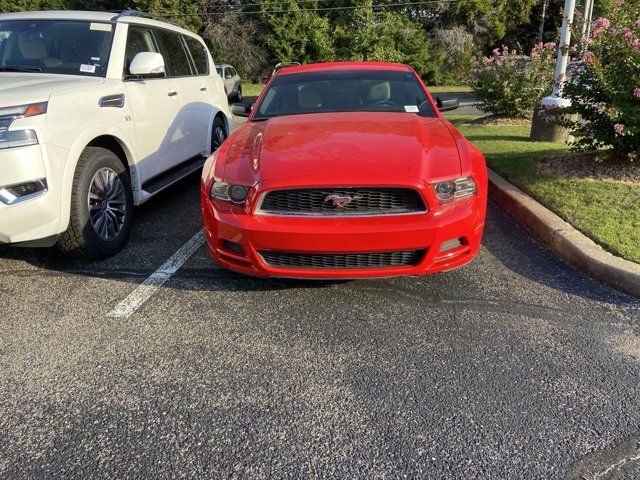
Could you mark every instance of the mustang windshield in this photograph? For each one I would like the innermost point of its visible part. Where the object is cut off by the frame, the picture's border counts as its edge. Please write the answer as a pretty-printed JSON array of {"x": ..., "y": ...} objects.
[
  {"x": 55, "y": 46},
  {"x": 344, "y": 91}
]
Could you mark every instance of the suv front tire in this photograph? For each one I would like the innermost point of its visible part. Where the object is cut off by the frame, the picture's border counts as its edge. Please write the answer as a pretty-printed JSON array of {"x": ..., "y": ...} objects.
[{"x": 101, "y": 207}]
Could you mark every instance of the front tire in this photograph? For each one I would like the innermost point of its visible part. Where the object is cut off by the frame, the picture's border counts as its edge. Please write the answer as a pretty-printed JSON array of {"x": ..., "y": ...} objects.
[
  {"x": 218, "y": 134},
  {"x": 101, "y": 207}
]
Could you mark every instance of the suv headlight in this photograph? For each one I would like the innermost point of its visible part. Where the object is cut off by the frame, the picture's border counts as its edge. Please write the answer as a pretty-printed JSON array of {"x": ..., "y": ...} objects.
[
  {"x": 19, "y": 138},
  {"x": 30, "y": 110},
  {"x": 454, "y": 189},
  {"x": 228, "y": 192}
]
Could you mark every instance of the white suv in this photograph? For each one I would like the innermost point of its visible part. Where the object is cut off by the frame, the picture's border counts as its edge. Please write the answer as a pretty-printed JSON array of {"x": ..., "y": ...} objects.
[{"x": 98, "y": 112}]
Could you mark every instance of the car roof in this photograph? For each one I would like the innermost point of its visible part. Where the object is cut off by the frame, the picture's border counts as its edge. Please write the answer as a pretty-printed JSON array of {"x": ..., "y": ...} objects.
[
  {"x": 110, "y": 17},
  {"x": 333, "y": 66}
]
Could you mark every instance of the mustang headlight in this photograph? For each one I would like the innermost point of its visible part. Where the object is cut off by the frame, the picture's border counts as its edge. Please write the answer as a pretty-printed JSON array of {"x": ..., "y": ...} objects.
[
  {"x": 228, "y": 192},
  {"x": 454, "y": 189}
]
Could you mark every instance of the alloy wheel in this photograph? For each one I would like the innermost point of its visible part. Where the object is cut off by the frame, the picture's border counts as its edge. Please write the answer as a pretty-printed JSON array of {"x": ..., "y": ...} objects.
[
  {"x": 107, "y": 204},
  {"x": 218, "y": 138}
]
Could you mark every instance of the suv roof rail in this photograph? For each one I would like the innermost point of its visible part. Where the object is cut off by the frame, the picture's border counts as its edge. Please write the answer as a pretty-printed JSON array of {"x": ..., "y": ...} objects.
[
  {"x": 150, "y": 16},
  {"x": 282, "y": 65}
]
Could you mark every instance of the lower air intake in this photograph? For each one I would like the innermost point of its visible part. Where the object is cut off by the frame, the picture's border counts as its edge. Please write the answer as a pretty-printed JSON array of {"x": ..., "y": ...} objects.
[{"x": 405, "y": 258}]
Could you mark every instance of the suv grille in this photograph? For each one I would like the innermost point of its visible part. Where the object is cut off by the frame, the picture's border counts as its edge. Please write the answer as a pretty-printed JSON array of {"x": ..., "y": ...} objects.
[
  {"x": 343, "y": 260},
  {"x": 363, "y": 201}
]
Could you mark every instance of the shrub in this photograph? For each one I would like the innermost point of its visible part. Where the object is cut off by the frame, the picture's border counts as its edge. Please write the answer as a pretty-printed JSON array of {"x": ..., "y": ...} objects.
[
  {"x": 604, "y": 88},
  {"x": 512, "y": 85}
]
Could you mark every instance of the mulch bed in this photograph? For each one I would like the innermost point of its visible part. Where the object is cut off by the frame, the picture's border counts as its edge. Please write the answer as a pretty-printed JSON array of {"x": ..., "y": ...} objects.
[
  {"x": 501, "y": 120},
  {"x": 584, "y": 165}
]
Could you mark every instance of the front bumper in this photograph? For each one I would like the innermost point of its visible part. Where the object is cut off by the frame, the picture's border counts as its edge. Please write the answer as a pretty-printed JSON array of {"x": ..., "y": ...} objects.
[
  {"x": 463, "y": 219},
  {"x": 36, "y": 216}
]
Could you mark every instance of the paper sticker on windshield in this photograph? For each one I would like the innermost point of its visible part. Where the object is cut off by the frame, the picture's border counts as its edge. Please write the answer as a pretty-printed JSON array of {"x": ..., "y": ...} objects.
[
  {"x": 102, "y": 27},
  {"x": 87, "y": 68},
  {"x": 411, "y": 109}
]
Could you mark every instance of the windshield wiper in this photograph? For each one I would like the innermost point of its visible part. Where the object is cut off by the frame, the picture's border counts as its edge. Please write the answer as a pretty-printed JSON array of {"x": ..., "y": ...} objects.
[{"x": 20, "y": 69}]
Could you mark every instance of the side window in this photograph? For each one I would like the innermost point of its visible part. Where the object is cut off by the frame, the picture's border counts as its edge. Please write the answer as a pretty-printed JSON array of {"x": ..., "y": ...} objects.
[
  {"x": 199, "y": 55},
  {"x": 231, "y": 72},
  {"x": 139, "y": 39},
  {"x": 174, "y": 53}
]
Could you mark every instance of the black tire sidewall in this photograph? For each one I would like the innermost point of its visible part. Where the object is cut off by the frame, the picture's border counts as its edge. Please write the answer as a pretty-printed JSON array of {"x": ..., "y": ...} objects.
[
  {"x": 217, "y": 123},
  {"x": 93, "y": 160}
]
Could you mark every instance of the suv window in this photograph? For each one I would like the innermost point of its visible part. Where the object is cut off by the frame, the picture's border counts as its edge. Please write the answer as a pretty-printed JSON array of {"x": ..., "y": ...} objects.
[
  {"x": 139, "y": 39},
  {"x": 199, "y": 55},
  {"x": 55, "y": 46},
  {"x": 231, "y": 72},
  {"x": 175, "y": 56}
]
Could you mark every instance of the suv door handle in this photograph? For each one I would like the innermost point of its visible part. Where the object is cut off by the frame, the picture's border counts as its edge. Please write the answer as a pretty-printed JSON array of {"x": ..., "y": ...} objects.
[
  {"x": 203, "y": 89},
  {"x": 172, "y": 93}
]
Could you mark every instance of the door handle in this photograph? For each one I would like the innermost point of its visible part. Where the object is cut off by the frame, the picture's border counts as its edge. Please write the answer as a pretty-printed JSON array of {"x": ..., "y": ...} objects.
[
  {"x": 172, "y": 93},
  {"x": 203, "y": 89}
]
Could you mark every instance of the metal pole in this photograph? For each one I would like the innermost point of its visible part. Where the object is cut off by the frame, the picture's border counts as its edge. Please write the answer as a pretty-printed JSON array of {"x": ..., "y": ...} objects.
[
  {"x": 588, "y": 6},
  {"x": 589, "y": 19},
  {"x": 565, "y": 41}
]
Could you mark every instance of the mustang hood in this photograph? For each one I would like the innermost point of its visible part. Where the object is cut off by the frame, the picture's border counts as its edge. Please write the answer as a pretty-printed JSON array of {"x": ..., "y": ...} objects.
[
  {"x": 23, "y": 88},
  {"x": 327, "y": 147}
]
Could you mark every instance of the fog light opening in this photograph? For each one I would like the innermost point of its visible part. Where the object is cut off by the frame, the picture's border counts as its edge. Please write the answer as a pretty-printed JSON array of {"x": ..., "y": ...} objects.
[
  {"x": 11, "y": 194},
  {"x": 451, "y": 244},
  {"x": 233, "y": 247}
]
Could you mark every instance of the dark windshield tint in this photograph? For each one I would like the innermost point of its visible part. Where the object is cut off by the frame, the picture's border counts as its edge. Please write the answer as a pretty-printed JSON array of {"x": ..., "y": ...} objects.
[
  {"x": 199, "y": 55},
  {"x": 174, "y": 54},
  {"x": 55, "y": 46},
  {"x": 344, "y": 91}
]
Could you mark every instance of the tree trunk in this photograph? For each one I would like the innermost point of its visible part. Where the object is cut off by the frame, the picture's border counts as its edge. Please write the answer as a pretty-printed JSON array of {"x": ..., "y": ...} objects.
[{"x": 544, "y": 14}]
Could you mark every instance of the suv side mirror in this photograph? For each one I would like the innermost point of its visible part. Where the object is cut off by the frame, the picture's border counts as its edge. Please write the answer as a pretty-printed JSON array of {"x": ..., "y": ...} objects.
[
  {"x": 147, "y": 65},
  {"x": 447, "y": 105},
  {"x": 242, "y": 109}
]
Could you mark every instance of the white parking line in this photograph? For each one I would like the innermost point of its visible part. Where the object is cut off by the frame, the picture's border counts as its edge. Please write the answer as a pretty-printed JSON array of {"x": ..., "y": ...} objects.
[{"x": 142, "y": 293}]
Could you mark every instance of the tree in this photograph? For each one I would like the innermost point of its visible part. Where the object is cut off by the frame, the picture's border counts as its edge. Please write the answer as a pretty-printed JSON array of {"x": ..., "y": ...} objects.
[
  {"x": 234, "y": 37},
  {"x": 294, "y": 34}
]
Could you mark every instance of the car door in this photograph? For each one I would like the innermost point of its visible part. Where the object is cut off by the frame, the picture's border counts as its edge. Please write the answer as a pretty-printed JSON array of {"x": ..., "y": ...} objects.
[
  {"x": 154, "y": 106},
  {"x": 228, "y": 79},
  {"x": 191, "y": 126},
  {"x": 204, "y": 91},
  {"x": 234, "y": 81}
]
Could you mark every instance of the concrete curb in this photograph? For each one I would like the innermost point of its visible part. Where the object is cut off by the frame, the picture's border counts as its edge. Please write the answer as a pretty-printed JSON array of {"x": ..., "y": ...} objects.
[{"x": 565, "y": 241}]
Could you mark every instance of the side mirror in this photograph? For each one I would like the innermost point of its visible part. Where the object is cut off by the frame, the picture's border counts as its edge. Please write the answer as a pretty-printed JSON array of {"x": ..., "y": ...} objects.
[
  {"x": 447, "y": 105},
  {"x": 242, "y": 109},
  {"x": 147, "y": 65}
]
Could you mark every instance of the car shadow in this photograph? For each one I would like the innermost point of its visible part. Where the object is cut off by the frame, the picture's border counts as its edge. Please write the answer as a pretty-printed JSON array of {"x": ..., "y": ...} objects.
[{"x": 167, "y": 221}]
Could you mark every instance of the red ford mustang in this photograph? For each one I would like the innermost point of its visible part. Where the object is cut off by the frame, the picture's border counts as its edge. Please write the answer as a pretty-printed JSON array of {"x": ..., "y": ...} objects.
[{"x": 344, "y": 170}]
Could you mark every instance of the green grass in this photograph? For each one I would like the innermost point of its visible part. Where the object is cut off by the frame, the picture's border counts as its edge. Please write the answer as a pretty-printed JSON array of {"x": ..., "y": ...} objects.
[
  {"x": 451, "y": 89},
  {"x": 254, "y": 89},
  {"x": 607, "y": 212}
]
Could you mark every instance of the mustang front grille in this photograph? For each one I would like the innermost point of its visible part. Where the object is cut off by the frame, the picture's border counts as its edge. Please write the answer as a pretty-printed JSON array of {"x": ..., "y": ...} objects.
[
  {"x": 342, "y": 201},
  {"x": 405, "y": 258}
]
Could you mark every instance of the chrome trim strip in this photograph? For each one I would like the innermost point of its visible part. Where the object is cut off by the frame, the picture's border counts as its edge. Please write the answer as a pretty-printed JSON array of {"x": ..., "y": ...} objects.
[
  {"x": 269, "y": 213},
  {"x": 115, "y": 101}
]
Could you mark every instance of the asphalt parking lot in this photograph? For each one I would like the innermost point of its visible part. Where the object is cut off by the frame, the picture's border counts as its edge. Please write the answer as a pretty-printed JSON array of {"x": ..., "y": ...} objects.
[{"x": 515, "y": 366}]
